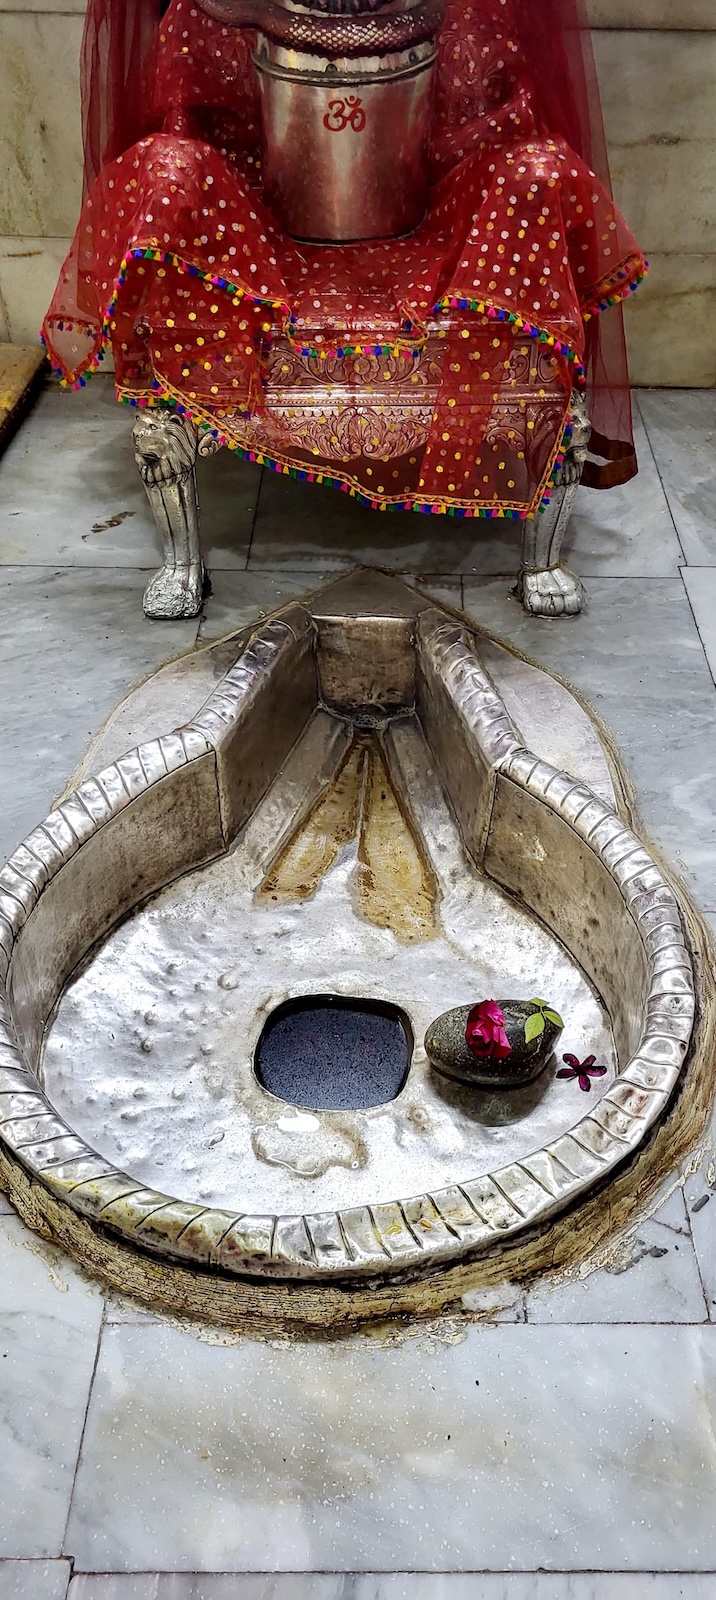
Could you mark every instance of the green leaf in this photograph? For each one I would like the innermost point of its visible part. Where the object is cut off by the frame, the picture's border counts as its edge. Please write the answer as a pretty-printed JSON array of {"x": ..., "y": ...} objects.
[
  {"x": 553, "y": 1016},
  {"x": 534, "y": 1026},
  {"x": 540, "y": 1003}
]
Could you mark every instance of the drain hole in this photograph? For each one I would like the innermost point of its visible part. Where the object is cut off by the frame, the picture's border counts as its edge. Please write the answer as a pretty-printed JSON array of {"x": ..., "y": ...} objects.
[{"x": 331, "y": 1054}]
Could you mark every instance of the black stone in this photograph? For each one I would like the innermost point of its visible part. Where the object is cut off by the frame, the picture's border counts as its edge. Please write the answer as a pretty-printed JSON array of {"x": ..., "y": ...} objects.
[
  {"x": 448, "y": 1050},
  {"x": 327, "y": 1053}
]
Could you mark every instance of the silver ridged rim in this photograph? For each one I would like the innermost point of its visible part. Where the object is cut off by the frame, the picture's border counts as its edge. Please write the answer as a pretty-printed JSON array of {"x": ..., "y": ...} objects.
[{"x": 404, "y": 1234}]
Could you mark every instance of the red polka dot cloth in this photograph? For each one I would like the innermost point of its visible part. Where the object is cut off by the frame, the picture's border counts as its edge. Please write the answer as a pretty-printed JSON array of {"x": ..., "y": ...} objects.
[{"x": 433, "y": 372}]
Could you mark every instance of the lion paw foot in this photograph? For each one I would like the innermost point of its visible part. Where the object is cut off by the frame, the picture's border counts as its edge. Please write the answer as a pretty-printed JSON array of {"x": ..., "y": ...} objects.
[
  {"x": 175, "y": 592},
  {"x": 551, "y": 592}
]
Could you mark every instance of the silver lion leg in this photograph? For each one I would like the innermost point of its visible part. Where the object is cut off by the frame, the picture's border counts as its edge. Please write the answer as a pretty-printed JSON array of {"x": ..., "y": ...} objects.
[
  {"x": 545, "y": 587},
  {"x": 165, "y": 450}
]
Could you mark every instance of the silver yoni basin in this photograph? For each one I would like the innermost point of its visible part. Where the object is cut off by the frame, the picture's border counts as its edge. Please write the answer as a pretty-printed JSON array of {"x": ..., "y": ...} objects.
[{"x": 352, "y": 809}]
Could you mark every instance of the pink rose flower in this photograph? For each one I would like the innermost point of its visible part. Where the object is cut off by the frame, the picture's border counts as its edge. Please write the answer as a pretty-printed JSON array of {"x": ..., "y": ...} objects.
[{"x": 485, "y": 1031}]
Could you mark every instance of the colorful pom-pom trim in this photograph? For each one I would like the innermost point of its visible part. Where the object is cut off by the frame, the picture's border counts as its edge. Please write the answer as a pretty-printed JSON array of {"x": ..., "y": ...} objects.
[
  {"x": 624, "y": 282},
  {"x": 164, "y": 397},
  {"x": 618, "y": 288}
]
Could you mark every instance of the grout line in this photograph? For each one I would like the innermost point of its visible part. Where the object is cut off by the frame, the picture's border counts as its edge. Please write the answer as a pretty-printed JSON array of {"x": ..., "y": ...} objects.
[
  {"x": 102, "y": 1326},
  {"x": 664, "y": 491},
  {"x": 712, "y": 675},
  {"x": 698, "y": 1262},
  {"x": 238, "y": 1578},
  {"x": 253, "y": 519}
]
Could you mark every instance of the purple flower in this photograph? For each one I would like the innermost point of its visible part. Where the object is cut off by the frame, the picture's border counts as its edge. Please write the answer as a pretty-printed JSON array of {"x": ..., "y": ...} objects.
[{"x": 583, "y": 1070}]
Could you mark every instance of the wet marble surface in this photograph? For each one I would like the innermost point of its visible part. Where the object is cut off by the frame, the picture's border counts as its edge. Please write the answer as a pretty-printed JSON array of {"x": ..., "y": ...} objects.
[
  {"x": 621, "y": 532},
  {"x": 34, "y": 1580},
  {"x": 298, "y": 525},
  {"x": 682, "y": 431},
  {"x": 625, "y": 532},
  {"x": 581, "y": 1440},
  {"x": 517, "y": 1448},
  {"x": 67, "y": 654},
  {"x": 238, "y": 598},
  {"x": 700, "y": 1197},
  {"x": 659, "y": 703},
  {"x": 244, "y": 597},
  {"x": 700, "y": 583},
  {"x": 72, "y": 496},
  {"x": 396, "y": 1586},
  {"x": 653, "y": 1276},
  {"x": 49, "y": 1326}
]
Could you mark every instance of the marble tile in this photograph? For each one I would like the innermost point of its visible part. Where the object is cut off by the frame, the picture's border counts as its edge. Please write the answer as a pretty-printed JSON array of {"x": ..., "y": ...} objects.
[
  {"x": 166, "y": 700},
  {"x": 652, "y": 1276},
  {"x": 74, "y": 455},
  {"x": 34, "y": 1580},
  {"x": 700, "y": 585},
  {"x": 66, "y": 477},
  {"x": 625, "y": 532},
  {"x": 49, "y": 1327},
  {"x": 239, "y": 598},
  {"x": 648, "y": 13},
  {"x": 700, "y": 1197},
  {"x": 395, "y": 1586},
  {"x": 446, "y": 589},
  {"x": 117, "y": 1308},
  {"x": 29, "y": 269},
  {"x": 302, "y": 525},
  {"x": 40, "y": 137},
  {"x": 637, "y": 657},
  {"x": 665, "y": 322},
  {"x": 519, "y": 1448},
  {"x": 621, "y": 531},
  {"x": 660, "y": 118},
  {"x": 682, "y": 434},
  {"x": 37, "y": 1279},
  {"x": 71, "y": 643},
  {"x": 228, "y": 496},
  {"x": 70, "y": 493},
  {"x": 700, "y": 1193}
]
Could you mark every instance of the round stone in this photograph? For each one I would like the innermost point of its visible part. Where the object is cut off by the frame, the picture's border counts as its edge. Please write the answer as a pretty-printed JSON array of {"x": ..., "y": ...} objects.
[{"x": 449, "y": 1052}]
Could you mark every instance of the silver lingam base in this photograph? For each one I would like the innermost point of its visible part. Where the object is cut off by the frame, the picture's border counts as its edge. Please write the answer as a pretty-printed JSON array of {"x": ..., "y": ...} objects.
[
  {"x": 349, "y": 805},
  {"x": 151, "y": 1055}
]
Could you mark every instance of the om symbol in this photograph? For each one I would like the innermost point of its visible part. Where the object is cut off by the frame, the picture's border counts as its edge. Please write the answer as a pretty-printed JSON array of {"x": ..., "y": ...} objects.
[{"x": 345, "y": 113}]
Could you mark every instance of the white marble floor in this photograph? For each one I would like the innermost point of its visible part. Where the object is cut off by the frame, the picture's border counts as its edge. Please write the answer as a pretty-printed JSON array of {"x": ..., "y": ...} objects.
[{"x": 558, "y": 1446}]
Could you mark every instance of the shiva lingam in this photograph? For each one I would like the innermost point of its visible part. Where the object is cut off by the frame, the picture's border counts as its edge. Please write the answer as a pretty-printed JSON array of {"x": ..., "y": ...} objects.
[
  {"x": 345, "y": 90},
  {"x": 497, "y": 1044},
  {"x": 207, "y": 1089}
]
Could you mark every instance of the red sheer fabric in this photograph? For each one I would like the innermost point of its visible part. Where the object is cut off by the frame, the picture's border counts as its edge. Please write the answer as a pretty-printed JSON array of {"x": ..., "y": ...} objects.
[
  {"x": 119, "y": 49},
  {"x": 433, "y": 372}
]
